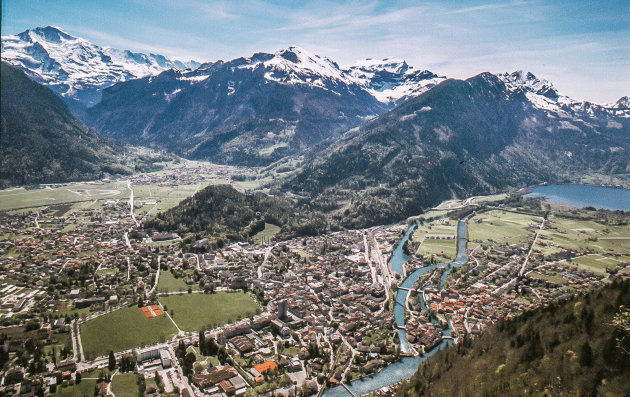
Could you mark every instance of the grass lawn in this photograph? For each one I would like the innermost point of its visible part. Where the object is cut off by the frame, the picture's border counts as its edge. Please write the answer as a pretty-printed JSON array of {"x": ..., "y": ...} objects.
[
  {"x": 267, "y": 233},
  {"x": 195, "y": 311},
  {"x": 291, "y": 351},
  {"x": 548, "y": 277},
  {"x": 69, "y": 312},
  {"x": 96, "y": 373},
  {"x": 85, "y": 388},
  {"x": 168, "y": 283},
  {"x": 123, "y": 329},
  {"x": 489, "y": 199},
  {"x": 124, "y": 385},
  {"x": 103, "y": 272},
  {"x": 442, "y": 248},
  {"x": 501, "y": 227},
  {"x": 593, "y": 263}
]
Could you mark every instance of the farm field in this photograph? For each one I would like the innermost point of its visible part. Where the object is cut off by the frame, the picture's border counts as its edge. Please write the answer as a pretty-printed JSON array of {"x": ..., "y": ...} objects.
[
  {"x": 442, "y": 248},
  {"x": 501, "y": 227},
  {"x": 192, "y": 312},
  {"x": 585, "y": 235},
  {"x": 594, "y": 263},
  {"x": 123, "y": 329}
]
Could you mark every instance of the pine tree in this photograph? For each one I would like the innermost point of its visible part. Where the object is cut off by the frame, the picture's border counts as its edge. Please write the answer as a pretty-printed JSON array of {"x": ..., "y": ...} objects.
[{"x": 112, "y": 361}]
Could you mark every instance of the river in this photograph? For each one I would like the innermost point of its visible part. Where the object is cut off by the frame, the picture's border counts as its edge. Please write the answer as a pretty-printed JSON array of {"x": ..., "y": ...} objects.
[
  {"x": 584, "y": 196},
  {"x": 407, "y": 366}
]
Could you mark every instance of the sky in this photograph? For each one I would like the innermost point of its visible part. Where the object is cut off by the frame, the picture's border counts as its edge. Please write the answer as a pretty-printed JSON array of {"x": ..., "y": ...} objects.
[{"x": 582, "y": 47}]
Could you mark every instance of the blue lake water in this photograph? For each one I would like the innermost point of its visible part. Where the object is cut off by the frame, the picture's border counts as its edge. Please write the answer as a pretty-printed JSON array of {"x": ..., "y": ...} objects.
[{"x": 584, "y": 196}]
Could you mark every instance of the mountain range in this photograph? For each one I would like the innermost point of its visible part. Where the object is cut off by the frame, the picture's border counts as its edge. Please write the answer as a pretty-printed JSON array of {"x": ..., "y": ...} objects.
[
  {"x": 462, "y": 138},
  {"x": 75, "y": 68},
  {"x": 372, "y": 140}
]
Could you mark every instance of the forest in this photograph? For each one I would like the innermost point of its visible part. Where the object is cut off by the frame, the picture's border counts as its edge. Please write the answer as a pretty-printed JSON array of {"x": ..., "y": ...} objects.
[{"x": 579, "y": 347}]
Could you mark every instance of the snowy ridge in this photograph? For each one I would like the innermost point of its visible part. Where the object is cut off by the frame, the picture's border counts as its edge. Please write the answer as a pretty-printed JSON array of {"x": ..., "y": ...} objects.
[
  {"x": 76, "y": 68},
  {"x": 543, "y": 95},
  {"x": 392, "y": 80},
  {"x": 388, "y": 80}
]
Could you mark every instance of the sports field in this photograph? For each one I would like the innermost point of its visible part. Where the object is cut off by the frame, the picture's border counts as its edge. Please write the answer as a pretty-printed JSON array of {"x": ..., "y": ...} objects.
[
  {"x": 192, "y": 312},
  {"x": 431, "y": 235},
  {"x": 123, "y": 329}
]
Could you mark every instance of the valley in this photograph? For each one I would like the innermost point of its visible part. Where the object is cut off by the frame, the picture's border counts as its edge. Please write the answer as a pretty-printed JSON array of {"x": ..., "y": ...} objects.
[
  {"x": 337, "y": 307},
  {"x": 272, "y": 222}
]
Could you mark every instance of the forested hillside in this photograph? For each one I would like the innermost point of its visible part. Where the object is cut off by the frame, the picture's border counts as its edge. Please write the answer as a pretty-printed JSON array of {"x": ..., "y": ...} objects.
[
  {"x": 42, "y": 142},
  {"x": 459, "y": 139},
  {"x": 222, "y": 212},
  {"x": 571, "y": 348}
]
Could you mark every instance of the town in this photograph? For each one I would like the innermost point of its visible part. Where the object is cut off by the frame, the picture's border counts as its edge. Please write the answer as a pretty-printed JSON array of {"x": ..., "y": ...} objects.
[{"x": 92, "y": 303}]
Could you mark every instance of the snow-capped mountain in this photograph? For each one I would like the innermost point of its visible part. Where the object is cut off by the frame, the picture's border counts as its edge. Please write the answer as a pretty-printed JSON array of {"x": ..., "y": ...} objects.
[
  {"x": 295, "y": 65},
  {"x": 250, "y": 111},
  {"x": 75, "y": 68},
  {"x": 543, "y": 95},
  {"x": 392, "y": 80}
]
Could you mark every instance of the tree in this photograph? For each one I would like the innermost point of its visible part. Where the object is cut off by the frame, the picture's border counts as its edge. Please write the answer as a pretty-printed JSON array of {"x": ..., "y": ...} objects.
[
  {"x": 621, "y": 321},
  {"x": 78, "y": 377},
  {"x": 112, "y": 361},
  {"x": 202, "y": 342},
  {"x": 586, "y": 355}
]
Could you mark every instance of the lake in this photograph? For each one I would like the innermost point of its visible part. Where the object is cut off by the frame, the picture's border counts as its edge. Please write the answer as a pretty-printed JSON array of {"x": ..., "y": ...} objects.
[{"x": 580, "y": 196}]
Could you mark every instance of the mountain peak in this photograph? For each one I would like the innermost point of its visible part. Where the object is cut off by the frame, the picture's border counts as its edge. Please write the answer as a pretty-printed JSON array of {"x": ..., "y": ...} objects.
[
  {"x": 623, "y": 103},
  {"x": 53, "y": 34},
  {"x": 527, "y": 81}
]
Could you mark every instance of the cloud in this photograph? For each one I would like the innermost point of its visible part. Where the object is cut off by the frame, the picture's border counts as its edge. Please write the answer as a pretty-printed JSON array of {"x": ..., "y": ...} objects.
[{"x": 490, "y": 7}]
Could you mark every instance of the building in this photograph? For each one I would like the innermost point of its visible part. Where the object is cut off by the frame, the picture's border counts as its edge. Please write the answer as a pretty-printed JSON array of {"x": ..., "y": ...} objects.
[
  {"x": 165, "y": 358},
  {"x": 282, "y": 308}
]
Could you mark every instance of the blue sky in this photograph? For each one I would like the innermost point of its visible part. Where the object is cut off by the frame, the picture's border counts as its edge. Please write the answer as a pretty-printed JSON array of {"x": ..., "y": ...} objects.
[{"x": 582, "y": 47}]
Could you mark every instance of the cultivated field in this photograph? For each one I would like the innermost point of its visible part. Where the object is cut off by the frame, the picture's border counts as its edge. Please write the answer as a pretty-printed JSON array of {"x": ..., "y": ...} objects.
[
  {"x": 123, "y": 329},
  {"x": 585, "y": 235},
  {"x": 192, "y": 312},
  {"x": 502, "y": 227}
]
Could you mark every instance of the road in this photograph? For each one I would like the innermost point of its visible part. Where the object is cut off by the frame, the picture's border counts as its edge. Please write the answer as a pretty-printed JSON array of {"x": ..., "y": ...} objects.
[
  {"x": 522, "y": 271},
  {"x": 133, "y": 216},
  {"x": 524, "y": 265},
  {"x": 264, "y": 262},
  {"x": 157, "y": 276}
]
